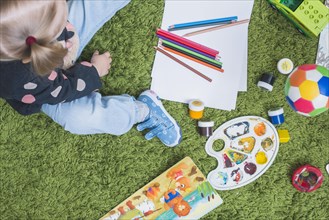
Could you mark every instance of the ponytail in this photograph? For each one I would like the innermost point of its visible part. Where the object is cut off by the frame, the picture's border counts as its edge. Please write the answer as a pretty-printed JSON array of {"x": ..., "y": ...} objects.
[
  {"x": 31, "y": 34},
  {"x": 45, "y": 58}
]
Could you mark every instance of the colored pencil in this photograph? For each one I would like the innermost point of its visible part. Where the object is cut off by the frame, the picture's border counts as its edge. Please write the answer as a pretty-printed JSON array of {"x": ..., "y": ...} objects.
[
  {"x": 216, "y": 28},
  {"x": 195, "y": 60},
  {"x": 195, "y": 24},
  {"x": 187, "y": 42},
  {"x": 183, "y": 64},
  {"x": 189, "y": 56},
  {"x": 191, "y": 51},
  {"x": 192, "y": 54},
  {"x": 187, "y": 47}
]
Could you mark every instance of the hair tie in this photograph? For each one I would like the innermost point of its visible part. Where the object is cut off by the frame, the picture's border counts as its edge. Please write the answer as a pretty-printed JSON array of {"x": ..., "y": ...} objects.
[{"x": 30, "y": 40}]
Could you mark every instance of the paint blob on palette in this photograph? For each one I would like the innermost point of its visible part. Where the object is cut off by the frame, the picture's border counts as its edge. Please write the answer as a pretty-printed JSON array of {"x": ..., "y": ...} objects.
[{"x": 251, "y": 144}]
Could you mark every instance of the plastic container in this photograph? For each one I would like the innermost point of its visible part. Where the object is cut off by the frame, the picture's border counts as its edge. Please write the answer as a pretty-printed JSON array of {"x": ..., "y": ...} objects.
[
  {"x": 285, "y": 66},
  {"x": 284, "y": 136},
  {"x": 276, "y": 116},
  {"x": 307, "y": 178},
  {"x": 205, "y": 128},
  {"x": 196, "y": 108},
  {"x": 266, "y": 81}
]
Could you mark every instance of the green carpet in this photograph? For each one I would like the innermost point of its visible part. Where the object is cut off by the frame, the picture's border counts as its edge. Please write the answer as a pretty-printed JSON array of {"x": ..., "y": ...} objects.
[{"x": 47, "y": 173}]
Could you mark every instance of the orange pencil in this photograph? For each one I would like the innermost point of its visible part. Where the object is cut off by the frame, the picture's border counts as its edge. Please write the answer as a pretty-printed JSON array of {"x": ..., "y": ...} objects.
[{"x": 193, "y": 59}]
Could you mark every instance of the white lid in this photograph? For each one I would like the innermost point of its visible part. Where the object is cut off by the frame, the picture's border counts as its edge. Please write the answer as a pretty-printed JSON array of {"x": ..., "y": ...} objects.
[
  {"x": 196, "y": 105},
  {"x": 275, "y": 112},
  {"x": 285, "y": 66},
  {"x": 206, "y": 123},
  {"x": 265, "y": 85}
]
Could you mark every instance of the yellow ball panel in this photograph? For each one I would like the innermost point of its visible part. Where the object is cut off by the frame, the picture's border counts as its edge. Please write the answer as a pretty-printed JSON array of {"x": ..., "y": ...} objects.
[{"x": 309, "y": 90}]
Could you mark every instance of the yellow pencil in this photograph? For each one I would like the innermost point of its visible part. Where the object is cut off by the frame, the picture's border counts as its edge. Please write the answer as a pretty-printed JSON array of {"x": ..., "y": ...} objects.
[{"x": 216, "y": 28}]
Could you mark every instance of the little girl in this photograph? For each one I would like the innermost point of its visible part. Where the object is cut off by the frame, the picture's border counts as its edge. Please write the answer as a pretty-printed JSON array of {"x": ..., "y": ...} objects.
[{"x": 40, "y": 40}]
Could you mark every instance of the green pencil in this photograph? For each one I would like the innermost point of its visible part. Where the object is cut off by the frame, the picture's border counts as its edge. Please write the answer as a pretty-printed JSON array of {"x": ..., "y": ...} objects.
[{"x": 192, "y": 53}]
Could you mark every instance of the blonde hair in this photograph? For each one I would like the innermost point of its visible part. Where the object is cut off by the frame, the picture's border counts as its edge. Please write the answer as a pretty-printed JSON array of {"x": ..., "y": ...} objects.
[{"x": 42, "y": 19}]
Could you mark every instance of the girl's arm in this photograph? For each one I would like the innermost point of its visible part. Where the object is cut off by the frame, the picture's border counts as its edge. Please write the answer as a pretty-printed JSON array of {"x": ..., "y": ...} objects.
[{"x": 60, "y": 86}]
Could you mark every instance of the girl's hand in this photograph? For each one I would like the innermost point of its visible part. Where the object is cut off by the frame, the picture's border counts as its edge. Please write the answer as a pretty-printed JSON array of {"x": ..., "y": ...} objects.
[{"x": 102, "y": 62}]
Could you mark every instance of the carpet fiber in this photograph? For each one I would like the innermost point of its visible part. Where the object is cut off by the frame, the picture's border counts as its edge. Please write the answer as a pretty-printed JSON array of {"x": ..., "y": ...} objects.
[{"x": 47, "y": 173}]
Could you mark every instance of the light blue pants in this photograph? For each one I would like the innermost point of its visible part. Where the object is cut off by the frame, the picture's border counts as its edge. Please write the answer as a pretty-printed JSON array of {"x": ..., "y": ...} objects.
[{"x": 94, "y": 114}]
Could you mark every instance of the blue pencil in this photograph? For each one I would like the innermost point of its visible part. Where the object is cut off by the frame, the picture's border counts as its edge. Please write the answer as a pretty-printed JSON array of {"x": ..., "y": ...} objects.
[
  {"x": 202, "y": 23},
  {"x": 164, "y": 38}
]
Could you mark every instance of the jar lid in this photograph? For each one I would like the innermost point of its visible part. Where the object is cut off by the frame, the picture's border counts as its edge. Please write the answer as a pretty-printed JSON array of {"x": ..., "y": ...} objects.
[
  {"x": 265, "y": 85},
  {"x": 285, "y": 66},
  {"x": 266, "y": 81},
  {"x": 196, "y": 105},
  {"x": 275, "y": 112},
  {"x": 206, "y": 123}
]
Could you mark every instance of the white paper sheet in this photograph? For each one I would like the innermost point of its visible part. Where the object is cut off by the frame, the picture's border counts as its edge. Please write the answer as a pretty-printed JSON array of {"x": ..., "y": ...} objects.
[{"x": 176, "y": 83}]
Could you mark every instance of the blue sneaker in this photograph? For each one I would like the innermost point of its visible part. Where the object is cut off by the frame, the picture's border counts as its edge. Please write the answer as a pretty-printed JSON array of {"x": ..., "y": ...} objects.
[{"x": 159, "y": 122}]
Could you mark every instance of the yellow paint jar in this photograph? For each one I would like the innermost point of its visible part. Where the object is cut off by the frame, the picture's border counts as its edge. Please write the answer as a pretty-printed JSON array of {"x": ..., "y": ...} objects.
[{"x": 196, "y": 108}]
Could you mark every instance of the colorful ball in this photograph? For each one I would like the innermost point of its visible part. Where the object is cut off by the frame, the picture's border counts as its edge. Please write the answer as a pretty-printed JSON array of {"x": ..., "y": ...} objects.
[{"x": 307, "y": 89}]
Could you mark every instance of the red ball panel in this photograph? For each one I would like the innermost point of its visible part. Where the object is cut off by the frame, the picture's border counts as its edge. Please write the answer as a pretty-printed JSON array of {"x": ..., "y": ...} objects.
[
  {"x": 307, "y": 67},
  {"x": 304, "y": 106}
]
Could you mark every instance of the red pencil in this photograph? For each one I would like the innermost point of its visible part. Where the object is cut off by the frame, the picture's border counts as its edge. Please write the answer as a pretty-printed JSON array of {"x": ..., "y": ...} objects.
[{"x": 187, "y": 42}]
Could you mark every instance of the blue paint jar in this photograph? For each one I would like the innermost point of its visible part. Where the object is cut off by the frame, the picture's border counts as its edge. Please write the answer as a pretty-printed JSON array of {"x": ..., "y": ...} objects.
[{"x": 276, "y": 116}]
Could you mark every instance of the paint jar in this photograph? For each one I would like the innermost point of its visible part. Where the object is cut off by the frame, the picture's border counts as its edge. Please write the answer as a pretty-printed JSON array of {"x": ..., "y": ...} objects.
[
  {"x": 276, "y": 116},
  {"x": 307, "y": 178},
  {"x": 196, "y": 108},
  {"x": 284, "y": 136},
  {"x": 266, "y": 81},
  {"x": 285, "y": 66},
  {"x": 205, "y": 128}
]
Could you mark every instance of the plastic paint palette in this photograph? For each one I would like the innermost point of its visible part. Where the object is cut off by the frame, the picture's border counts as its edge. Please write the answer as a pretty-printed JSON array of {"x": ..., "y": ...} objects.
[{"x": 251, "y": 144}]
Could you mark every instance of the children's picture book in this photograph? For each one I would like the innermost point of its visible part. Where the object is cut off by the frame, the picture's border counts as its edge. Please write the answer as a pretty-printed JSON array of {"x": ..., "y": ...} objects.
[
  {"x": 181, "y": 192},
  {"x": 322, "y": 57}
]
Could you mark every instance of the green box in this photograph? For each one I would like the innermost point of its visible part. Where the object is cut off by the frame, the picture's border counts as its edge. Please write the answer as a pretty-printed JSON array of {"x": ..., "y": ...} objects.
[{"x": 309, "y": 16}]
